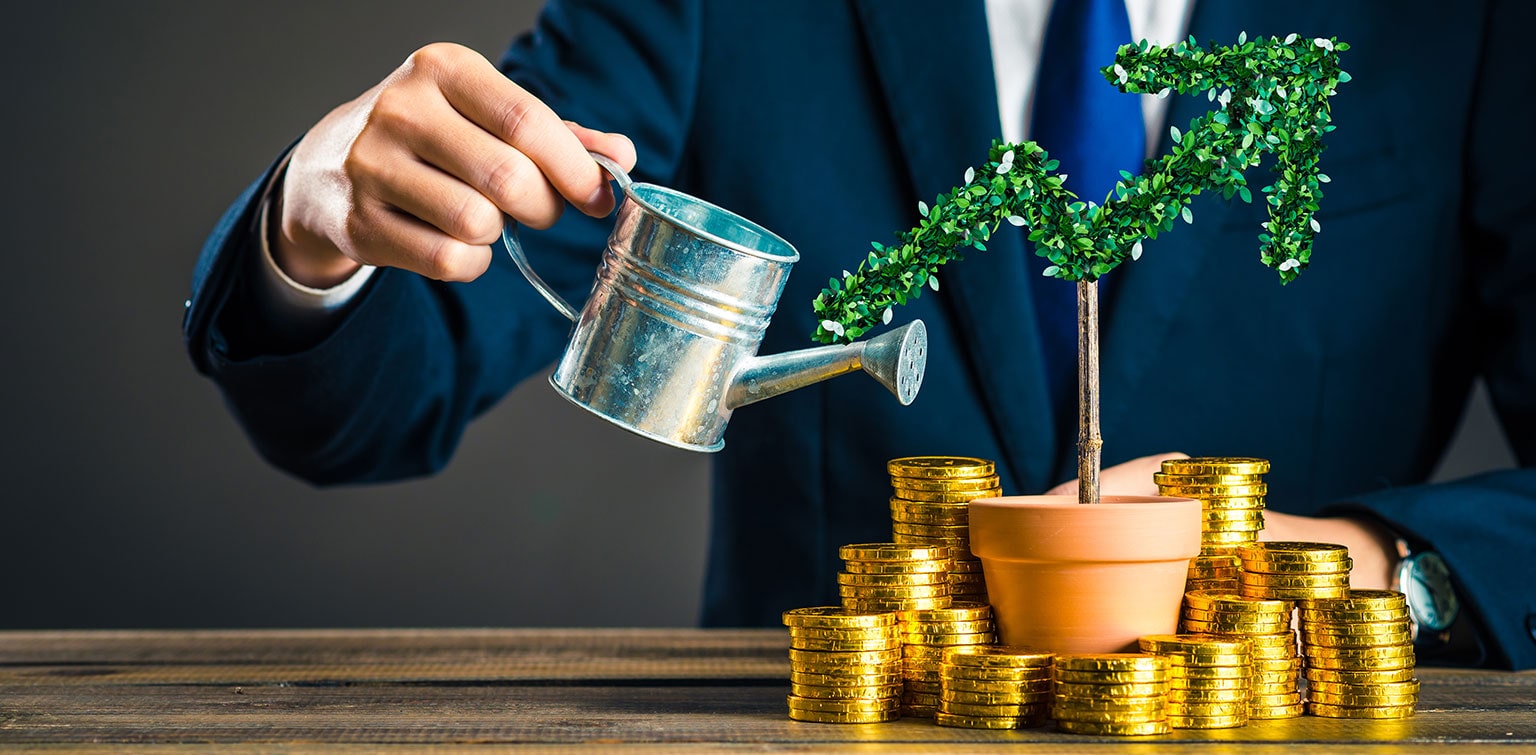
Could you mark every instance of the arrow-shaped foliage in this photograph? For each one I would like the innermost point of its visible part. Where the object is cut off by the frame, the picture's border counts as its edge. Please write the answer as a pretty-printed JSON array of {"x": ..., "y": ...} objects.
[{"x": 1273, "y": 99}]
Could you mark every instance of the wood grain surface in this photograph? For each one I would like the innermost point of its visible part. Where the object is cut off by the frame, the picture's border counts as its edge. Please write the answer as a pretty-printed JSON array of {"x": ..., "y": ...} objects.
[{"x": 643, "y": 690}]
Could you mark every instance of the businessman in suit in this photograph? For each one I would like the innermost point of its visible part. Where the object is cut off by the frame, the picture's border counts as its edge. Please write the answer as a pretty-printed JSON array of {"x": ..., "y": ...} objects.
[{"x": 356, "y": 310}]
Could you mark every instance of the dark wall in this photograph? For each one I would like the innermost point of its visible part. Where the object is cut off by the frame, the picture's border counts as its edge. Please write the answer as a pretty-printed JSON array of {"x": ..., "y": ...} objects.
[{"x": 129, "y": 496}]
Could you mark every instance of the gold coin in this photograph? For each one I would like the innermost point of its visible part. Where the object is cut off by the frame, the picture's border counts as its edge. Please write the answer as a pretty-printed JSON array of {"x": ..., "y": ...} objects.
[
  {"x": 1218, "y": 516},
  {"x": 1242, "y": 628},
  {"x": 995, "y": 656},
  {"x": 1298, "y": 567},
  {"x": 946, "y": 639},
  {"x": 1190, "y": 709},
  {"x": 921, "y": 687},
  {"x": 1012, "y": 697},
  {"x": 998, "y": 687},
  {"x": 836, "y": 617},
  {"x": 1111, "y": 662},
  {"x": 1351, "y": 641},
  {"x": 1111, "y": 677},
  {"x": 917, "y": 698},
  {"x": 918, "y": 711},
  {"x": 947, "y": 531},
  {"x": 967, "y": 566},
  {"x": 1073, "y": 715},
  {"x": 1128, "y": 689},
  {"x": 1221, "y": 537},
  {"x": 842, "y": 706},
  {"x": 1192, "y": 644},
  {"x": 1230, "y": 684},
  {"x": 1278, "y": 551},
  {"x": 1232, "y": 602},
  {"x": 894, "y": 591},
  {"x": 847, "y": 633},
  {"x": 934, "y": 566},
  {"x": 1249, "y": 527},
  {"x": 809, "y": 658},
  {"x": 1361, "y": 701},
  {"x": 940, "y": 467},
  {"x": 1210, "y": 672},
  {"x": 1360, "y": 677},
  {"x": 966, "y": 579},
  {"x": 1223, "y": 585},
  {"x": 1359, "y": 664},
  {"x": 843, "y": 680},
  {"x": 1228, "y": 615},
  {"x": 1291, "y": 593},
  {"x": 913, "y": 514},
  {"x": 1145, "y": 728},
  {"x": 1314, "y": 615},
  {"x": 1232, "y": 502},
  {"x": 1208, "y": 722},
  {"x": 1214, "y": 562},
  {"x": 893, "y": 580},
  {"x": 1249, "y": 578},
  {"x": 1362, "y": 629},
  {"x": 893, "y": 605},
  {"x": 902, "y": 485},
  {"x": 1341, "y": 711},
  {"x": 1274, "y": 688},
  {"x": 1278, "y": 700},
  {"x": 979, "y": 722},
  {"x": 1216, "y": 465},
  {"x": 954, "y": 626},
  {"x": 891, "y": 552},
  {"x": 1191, "y": 661},
  {"x": 840, "y": 646},
  {"x": 1409, "y": 687},
  {"x": 1281, "y": 640},
  {"x": 1144, "y": 704},
  {"x": 1222, "y": 480},
  {"x": 1186, "y": 696},
  {"x": 1276, "y": 712},
  {"x": 996, "y": 673},
  {"x": 946, "y": 496},
  {"x": 1362, "y": 600},
  {"x": 1016, "y": 710},
  {"x": 854, "y": 717},
  {"x": 844, "y": 693},
  {"x": 1228, "y": 491},
  {"x": 1276, "y": 666}
]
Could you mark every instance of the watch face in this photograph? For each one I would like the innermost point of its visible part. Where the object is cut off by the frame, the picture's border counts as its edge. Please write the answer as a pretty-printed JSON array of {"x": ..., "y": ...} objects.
[{"x": 1427, "y": 585}]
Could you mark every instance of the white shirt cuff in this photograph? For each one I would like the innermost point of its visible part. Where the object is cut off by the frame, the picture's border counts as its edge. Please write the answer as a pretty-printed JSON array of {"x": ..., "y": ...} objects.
[{"x": 285, "y": 297}]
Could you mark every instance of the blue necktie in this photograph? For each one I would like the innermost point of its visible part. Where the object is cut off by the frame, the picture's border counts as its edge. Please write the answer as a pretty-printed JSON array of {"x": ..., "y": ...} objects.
[{"x": 1096, "y": 132}]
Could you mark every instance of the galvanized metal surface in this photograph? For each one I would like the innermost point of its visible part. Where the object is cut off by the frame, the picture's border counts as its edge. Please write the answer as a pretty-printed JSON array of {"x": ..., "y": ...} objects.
[{"x": 666, "y": 343}]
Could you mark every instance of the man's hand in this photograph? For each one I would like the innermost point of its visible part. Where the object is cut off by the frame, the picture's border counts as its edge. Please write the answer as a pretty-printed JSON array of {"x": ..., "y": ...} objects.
[
  {"x": 418, "y": 171},
  {"x": 1133, "y": 477}
]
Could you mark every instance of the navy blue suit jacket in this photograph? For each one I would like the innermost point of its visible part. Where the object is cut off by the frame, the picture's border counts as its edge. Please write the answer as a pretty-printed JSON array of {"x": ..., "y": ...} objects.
[{"x": 827, "y": 121}]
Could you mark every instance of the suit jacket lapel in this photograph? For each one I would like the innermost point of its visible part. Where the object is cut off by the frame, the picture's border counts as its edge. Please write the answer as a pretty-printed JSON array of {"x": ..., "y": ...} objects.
[{"x": 935, "y": 68}]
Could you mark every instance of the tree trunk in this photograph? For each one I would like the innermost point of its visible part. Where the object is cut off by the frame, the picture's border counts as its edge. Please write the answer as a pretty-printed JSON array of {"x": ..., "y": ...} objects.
[{"x": 1090, "y": 445}]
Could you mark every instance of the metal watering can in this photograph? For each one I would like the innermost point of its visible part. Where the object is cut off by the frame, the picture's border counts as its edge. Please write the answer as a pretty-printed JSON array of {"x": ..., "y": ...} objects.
[{"x": 666, "y": 345}]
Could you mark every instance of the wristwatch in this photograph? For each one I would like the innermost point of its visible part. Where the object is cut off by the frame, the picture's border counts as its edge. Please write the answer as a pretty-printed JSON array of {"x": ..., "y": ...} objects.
[{"x": 1425, "y": 581}]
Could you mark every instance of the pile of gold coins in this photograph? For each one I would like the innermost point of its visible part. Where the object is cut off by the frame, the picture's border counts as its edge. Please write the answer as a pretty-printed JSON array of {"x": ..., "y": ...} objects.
[
  {"x": 894, "y": 577},
  {"x": 844, "y": 666},
  {"x": 1213, "y": 571},
  {"x": 1294, "y": 571},
  {"x": 1231, "y": 493},
  {"x": 1119, "y": 694},
  {"x": 925, "y": 636},
  {"x": 994, "y": 687},
  {"x": 1209, "y": 679},
  {"x": 1360, "y": 660},
  {"x": 1274, "y": 690},
  {"x": 928, "y": 507}
]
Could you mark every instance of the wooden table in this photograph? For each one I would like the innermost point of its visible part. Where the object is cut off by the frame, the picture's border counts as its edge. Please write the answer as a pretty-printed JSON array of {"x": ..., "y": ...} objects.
[{"x": 630, "y": 689}]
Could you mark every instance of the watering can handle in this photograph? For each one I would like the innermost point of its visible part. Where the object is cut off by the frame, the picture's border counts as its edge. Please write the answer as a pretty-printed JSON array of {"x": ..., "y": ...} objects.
[{"x": 515, "y": 248}]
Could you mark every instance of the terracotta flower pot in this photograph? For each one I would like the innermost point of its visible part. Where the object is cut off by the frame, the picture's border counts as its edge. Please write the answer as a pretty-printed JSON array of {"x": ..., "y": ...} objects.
[{"x": 1076, "y": 578}]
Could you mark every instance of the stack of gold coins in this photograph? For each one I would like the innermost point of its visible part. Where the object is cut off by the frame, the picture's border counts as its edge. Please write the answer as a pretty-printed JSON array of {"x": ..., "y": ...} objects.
[
  {"x": 1294, "y": 571},
  {"x": 1360, "y": 657},
  {"x": 844, "y": 666},
  {"x": 894, "y": 577},
  {"x": 1215, "y": 571},
  {"x": 1209, "y": 679},
  {"x": 1275, "y": 691},
  {"x": 929, "y": 508},
  {"x": 994, "y": 687},
  {"x": 925, "y": 634},
  {"x": 1120, "y": 694},
  {"x": 1231, "y": 493}
]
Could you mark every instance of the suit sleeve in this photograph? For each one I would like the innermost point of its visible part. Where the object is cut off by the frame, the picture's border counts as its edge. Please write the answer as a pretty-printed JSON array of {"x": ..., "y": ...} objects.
[
  {"x": 1485, "y": 526},
  {"x": 388, "y": 392}
]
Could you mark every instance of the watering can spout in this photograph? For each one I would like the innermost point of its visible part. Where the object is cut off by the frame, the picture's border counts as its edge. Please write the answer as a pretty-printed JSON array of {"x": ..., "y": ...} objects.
[{"x": 897, "y": 359}]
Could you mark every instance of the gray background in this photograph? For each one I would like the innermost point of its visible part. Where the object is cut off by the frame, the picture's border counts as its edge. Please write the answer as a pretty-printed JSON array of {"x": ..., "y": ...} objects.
[{"x": 130, "y": 497}]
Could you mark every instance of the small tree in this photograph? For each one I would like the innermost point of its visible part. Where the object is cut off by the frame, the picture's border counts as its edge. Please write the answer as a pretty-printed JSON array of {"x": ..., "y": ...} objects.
[{"x": 1273, "y": 99}]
